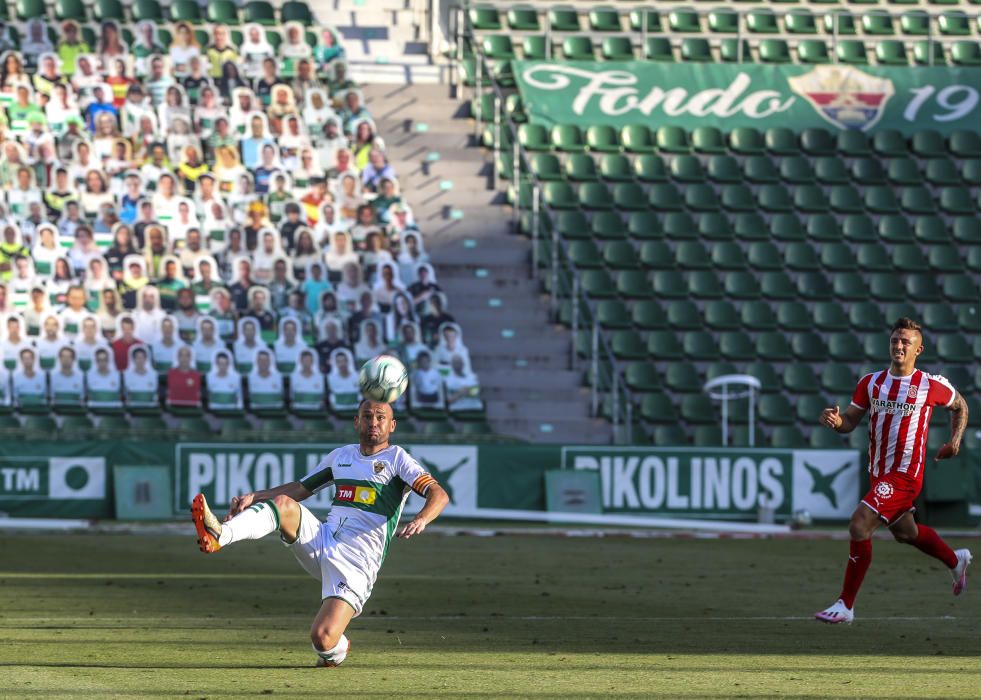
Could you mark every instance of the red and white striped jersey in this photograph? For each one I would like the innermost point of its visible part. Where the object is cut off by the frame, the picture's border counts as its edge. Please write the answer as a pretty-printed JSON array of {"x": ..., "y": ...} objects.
[{"x": 899, "y": 417}]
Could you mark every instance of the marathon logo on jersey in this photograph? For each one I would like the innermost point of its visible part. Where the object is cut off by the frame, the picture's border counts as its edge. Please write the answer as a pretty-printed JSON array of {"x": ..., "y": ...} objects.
[
  {"x": 894, "y": 407},
  {"x": 844, "y": 95},
  {"x": 356, "y": 494}
]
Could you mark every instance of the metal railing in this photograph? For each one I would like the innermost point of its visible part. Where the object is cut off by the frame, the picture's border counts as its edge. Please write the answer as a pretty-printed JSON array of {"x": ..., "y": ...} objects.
[{"x": 560, "y": 272}]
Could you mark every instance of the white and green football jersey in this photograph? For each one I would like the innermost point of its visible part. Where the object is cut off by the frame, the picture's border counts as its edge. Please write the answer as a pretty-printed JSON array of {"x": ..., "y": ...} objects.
[{"x": 370, "y": 494}]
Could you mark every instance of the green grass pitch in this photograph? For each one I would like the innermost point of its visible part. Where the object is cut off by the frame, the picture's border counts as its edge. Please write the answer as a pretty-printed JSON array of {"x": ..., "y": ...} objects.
[{"x": 97, "y": 616}]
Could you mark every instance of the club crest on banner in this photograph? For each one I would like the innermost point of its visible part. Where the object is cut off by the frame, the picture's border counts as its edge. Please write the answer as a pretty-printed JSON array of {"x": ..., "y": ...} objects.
[{"x": 844, "y": 95}]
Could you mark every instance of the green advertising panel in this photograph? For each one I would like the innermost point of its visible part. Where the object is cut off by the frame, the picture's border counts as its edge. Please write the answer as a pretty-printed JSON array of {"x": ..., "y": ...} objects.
[
  {"x": 721, "y": 483},
  {"x": 728, "y": 96}
]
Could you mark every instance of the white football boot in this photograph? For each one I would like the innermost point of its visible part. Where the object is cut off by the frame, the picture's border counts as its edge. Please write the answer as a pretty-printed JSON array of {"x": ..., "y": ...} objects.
[
  {"x": 959, "y": 572},
  {"x": 836, "y": 614},
  {"x": 332, "y": 658}
]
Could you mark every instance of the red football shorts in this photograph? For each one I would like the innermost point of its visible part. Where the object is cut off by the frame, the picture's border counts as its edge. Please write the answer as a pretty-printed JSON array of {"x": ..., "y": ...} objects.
[{"x": 891, "y": 495}]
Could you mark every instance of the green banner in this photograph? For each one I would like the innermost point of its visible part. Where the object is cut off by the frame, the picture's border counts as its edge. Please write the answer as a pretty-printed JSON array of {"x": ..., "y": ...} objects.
[
  {"x": 72, "y": 479},
  {"x": 728, "y": 484},
  {"x": 866, "y": 98}
]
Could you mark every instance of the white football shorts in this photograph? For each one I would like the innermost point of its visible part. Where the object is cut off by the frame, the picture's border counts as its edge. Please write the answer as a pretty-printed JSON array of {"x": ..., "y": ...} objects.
[{"x": 335, "y": 564}]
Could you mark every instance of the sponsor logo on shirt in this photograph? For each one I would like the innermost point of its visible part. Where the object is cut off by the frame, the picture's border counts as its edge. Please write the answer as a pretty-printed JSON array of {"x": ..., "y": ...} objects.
[
  {"x": 895, "y": 407},
  {"x": 356, "y": 494}
]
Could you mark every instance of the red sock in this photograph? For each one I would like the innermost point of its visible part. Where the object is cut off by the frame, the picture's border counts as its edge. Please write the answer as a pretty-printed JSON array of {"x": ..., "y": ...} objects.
[
  {"x": 929, "y": 542},
  {"x": 859, "y": 560}
]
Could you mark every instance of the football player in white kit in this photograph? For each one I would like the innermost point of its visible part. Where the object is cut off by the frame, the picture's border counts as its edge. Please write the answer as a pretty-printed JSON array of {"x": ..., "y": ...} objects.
[{"x": 372, "y": 481}]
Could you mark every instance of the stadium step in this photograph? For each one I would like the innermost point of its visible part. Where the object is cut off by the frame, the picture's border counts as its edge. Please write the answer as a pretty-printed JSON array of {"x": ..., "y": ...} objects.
[{"x": 519, "y": 355}]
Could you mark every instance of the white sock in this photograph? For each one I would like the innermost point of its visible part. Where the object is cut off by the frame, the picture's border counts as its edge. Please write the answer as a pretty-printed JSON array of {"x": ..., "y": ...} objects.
[
  {"x": 337, "y": 654},
  {"x": 253, "y": 523}
]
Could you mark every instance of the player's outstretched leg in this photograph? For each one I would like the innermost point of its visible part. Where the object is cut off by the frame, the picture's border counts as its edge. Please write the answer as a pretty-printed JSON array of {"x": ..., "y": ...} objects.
[
  {"x": 258, "y": 520},
  {"x": 327, "y": 632},
  {"x": 926, "y": 539},
  {"x": 863, "y": 523}
]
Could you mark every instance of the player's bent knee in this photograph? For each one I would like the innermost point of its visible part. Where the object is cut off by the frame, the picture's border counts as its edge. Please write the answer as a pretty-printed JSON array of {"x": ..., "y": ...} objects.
[
  {"x": 284, "y": 503},
  {"x": 324, "y": 638},
  {"x": 904, "y": 537}
]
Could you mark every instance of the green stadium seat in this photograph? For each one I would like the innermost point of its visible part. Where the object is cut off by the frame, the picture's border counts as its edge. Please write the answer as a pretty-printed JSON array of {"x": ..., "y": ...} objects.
[
  {"x": 759, "y": 169},
  {"x": 959, "y": 288},
  {"x": 579, "y": 167},
  {"x": 813, "y": 51},
  {"x": 780, "y": 141},
  {"x": 727, "y": 255},
  {"x": 967, "y": 230},
  {"x": 684, "y": 21},
  {"x": 971, "y": 171},
  {"x": 708, "y": 139},
  {"x": 750, "y": 226},
  {"x": 560, "y": 195},
  {"x": 646, "y": 20},
  {"x": 775, "y": 409},
  {"x": 715, "y": 226},
  {"x": 889, "y": 143},
  {"x": 954, "y": 23},
  {"x": 567, "y": 138},
  {"x": 738, "y": 198},
  {"x": 628, "y": 345},
  {"x": 669, "y": 435},
  {"x": 823, "y": 439},
  {"x": 701, "y": 198},
  {"x": 742, "y": 284},
  {"x": 724, "y": 169},
  {"x": 838, "y": 379},
  {"x": 657, "y": 408},
  {"x": 764, "y": 371},
  {"x": 817, "y": 142},
  {"x": 617, "y": 48},
  {"x": 800, "y": 21},
  {"x": 620, "y": 255},
  {"x": 849, "y": 286},
  {"x": 658, "y": 48},
  {"x": 644, "y": 225},
  {"x": 672, "y": 139},
  {"x": 637, "y": 138},
  {"x": 535, "y": 48},
  {"x": 830, "y": 316},
  {"x": 584, "y": 254},
  {"x": 598, "y": 284},
  {"x": 801, "y": 256},
  {"x": 223, "y": 12},
  {"x": 650, "y": 168},
  {"x": 794, "y": 316},
  {"x": 877, "y": 24},
  {"x": 947, "y": 258},
  {"x": 756, "y": 315},
  {"x": 185, "y": 11},
  {"x": 923, "y": 287},
  {"x": 534, "y": 137},
  {"x": 687, "y": 168},
  {"x": 572, "y": 225},
  {"x": 723, "y": 20},
  {"x": 295, "y": 11},
  {"x": 633, "y": 284},
  {"x": 868, "y": 171},
  {"x": 648, "y": 315},
  {"x": 523, "y": 18},
  {"x": 904, "y": 171},
  {"x": 604, "y": 19},
  {"x": 578, "y": 48},
  {"x": 881, "y": 200},
  {"x": 497, "y": 47},
  {"x": 940, "y": 318},
  {"x": 774, "y": 198},
  {"x": 796, "y": 170},
  {"x": 775, "y": 284},
  {"x": 825, "y": 229},
  {"x": 70, "y": 9},
  {"x": 851, "y": 52},
  {"x": 775, "y": 51},
  {"x": 966, "y": 53},
  {"x": 644, "y": 377},
  {"x": 563, "y": 19},
  {"x": 704, "y": 284},
  {"x": 602, "y": 138},
  {"x": 787, "y": 436},
  {"x": 105, "y": 10},
  {"x": 800, "y": 379},
  {"x": 669, "y": 284},
  {"x": 840, "y": 23},
  {"x": 697, "y": 409},
  {"x": 853, "y": 144},
  {"x": 917, "y": 201},
  {"x": 546, "y": 166},
  {"x": 773, "y": 346},
  {"x": 830, "y": 170},
  {"x": 707, "y": 436},
  {"x": 929, "y": 53},
  {"x": 746, "y": 141},
  {"x": 721, "y": 315},
  {"x": 737, "y": 346},
  {"x": 908, "y": 257},
  {"x": 701, "y": 346},
  {"x": 663, "y": 345},
  {"x": 844, "y": 345},
  {"x": 484, "y": 17},
  {"x": 607, "y": 225},
  {"x": 692, "y": 255},
  {"x": 957, "y": 201},
  {"x": 665, "y": 196}
]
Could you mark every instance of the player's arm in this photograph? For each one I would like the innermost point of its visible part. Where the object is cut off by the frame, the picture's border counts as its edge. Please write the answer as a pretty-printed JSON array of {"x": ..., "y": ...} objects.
[
  {"x": 293, "y": 489},
  {"x": 842, "y": 422},
  {"x": 436, "y": 501},
  {"x": 958, "y": 424}
]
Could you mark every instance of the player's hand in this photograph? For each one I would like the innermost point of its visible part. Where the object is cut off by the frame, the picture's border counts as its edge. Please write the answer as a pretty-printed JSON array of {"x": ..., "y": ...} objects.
[
  {"x": 416, "y": 527},
  {"x": 947, "y": 451},
  {"x": 239, "y": 503},
  {"x": 831, "y": 418}
]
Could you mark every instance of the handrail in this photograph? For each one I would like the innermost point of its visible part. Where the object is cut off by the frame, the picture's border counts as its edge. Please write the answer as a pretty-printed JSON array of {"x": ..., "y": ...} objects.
[{"x": 582, "y": 303}]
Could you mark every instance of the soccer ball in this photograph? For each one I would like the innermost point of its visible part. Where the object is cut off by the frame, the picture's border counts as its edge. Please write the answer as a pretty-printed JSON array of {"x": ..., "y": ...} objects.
[{"x": 383, "y": 378}]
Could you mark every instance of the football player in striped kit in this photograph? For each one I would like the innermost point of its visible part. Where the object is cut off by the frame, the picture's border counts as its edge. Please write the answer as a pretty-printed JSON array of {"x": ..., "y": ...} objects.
[
  {"x": 899, "y": 401},
  {"x": 372, "y": 480}
]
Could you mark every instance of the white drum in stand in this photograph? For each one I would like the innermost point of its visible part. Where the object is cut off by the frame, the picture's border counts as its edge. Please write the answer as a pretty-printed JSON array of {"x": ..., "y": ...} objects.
[{"x": 733, "y": 387}]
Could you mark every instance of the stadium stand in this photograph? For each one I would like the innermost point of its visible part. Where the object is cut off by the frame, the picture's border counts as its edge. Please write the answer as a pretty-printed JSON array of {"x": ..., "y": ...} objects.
[
  {"x": 681, "y": 255},
  {"x": 201, "y": 231}
]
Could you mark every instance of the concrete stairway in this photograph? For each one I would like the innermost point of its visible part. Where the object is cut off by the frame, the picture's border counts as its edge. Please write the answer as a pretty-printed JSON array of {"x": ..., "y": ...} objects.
[
  {"x": 521, "y": 357},
  {"x": 383, "y": 40}
]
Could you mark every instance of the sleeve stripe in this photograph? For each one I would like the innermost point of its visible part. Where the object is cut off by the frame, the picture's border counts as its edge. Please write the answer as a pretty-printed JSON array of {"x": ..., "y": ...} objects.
[{"x": 422, "y": 484}]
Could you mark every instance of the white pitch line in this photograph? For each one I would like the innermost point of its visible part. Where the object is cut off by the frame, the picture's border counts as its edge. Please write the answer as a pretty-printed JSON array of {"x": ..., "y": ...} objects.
[{"x": 528, "y": 618}]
